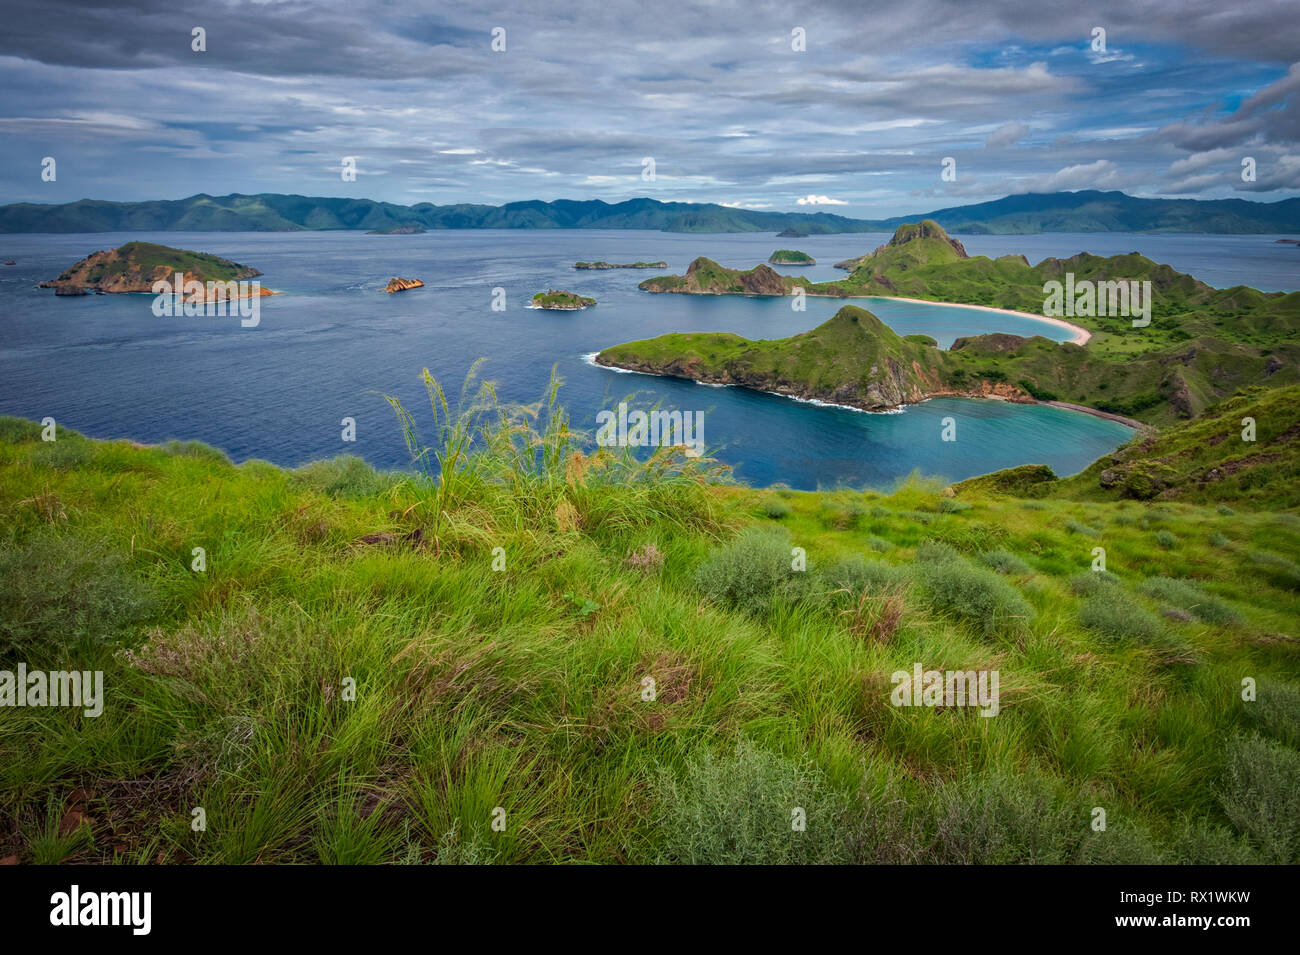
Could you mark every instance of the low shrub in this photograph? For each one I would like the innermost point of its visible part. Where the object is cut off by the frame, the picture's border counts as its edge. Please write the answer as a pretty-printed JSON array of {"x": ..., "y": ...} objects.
[
  {"x": 979, "y": 596},
  {"x": 1113, "y": 614},
  {"x": 737, "y": 810},
  {"x": 748, "y": 572},
  {"x": 1261, "y": 796},
  {"x": 1089, "y": 582},
  {"x": 1005, "y": 562},
  {"x": 343, "y": 476},
  {"x": 1187, "y": 596},
  {"x": 1276, "y": 711},
  {"x": 60, "y": 590}
]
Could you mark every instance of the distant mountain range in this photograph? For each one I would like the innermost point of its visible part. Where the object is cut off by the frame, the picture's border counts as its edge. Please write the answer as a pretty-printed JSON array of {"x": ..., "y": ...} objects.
[{"x": 1086, "y": 211}]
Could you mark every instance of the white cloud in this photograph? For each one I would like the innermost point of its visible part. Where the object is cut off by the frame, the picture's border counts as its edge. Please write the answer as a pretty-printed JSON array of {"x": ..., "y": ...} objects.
[
  {"x": 813, "y": 200},
  {"x": 1102, "y": 174}
]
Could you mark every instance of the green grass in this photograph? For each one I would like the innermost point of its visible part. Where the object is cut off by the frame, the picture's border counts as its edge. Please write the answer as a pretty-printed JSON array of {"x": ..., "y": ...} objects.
[{"x": 375, "y": 667}]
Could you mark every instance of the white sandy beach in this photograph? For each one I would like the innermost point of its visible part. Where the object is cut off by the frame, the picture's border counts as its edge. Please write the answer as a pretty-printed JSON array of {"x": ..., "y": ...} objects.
[{"x": 1081, "y": 335}]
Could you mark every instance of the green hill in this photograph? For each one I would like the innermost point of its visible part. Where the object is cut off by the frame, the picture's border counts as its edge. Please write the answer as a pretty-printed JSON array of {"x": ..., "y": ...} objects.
[
  {"x": 1219, "y": 457},
  {"x": 913, "y": 245},
  {"x": 624, "y": 657},
  {"x": 1216, "y": 457},
  {"x": 852, "y": 358},
  {"x": 1201, "y": 344},
  {"x": 706, "y": 277}
]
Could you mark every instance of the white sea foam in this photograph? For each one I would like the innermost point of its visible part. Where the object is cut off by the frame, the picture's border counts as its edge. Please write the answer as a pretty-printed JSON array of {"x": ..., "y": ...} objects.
[{"x": 590, "y": 359}]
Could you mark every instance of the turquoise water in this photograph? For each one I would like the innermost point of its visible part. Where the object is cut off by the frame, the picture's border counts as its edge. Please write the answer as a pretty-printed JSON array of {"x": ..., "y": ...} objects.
[{"x": 334, "y": 344}]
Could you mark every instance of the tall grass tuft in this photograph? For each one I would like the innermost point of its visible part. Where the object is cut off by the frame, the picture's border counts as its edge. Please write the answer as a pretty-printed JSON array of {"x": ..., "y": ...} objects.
[{"x": 526, "y": 463}]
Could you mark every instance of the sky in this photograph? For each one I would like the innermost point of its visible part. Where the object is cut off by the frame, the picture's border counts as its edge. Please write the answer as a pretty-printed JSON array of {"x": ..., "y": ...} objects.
[{"x": 845, "y": 107}]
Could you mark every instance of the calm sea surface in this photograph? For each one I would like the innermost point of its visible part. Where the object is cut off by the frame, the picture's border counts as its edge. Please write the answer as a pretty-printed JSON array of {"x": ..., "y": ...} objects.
[{"x": 334, "y": 344}]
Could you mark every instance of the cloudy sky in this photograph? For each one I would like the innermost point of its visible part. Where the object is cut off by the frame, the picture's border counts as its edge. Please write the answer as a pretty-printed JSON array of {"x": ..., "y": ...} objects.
[{"x": 1021, "y": 95}]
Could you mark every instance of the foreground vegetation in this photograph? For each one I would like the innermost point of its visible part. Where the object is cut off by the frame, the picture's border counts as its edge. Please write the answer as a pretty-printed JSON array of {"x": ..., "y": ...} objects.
[{"x": 373, "y": 667}]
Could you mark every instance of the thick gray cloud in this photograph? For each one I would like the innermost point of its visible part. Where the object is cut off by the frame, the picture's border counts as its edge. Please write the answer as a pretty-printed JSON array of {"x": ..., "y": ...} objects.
[{"x": 585, "y": 90}]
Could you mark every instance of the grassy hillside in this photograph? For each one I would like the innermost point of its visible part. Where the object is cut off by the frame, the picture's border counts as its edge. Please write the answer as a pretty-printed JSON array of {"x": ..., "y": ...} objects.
[
  {"x": 1219, "y": 456},
  {"x": 524, "y": 688}
]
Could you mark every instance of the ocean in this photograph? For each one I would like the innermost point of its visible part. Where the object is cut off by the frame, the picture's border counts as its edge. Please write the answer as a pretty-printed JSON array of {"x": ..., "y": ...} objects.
[{"x": 334, "y": 344}]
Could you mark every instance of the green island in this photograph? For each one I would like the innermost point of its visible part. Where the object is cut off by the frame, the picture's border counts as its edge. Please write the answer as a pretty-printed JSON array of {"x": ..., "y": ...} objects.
[
  {"x": 135, "y": 266},
  {"x": 358, "y": 676},
  {"x": 630, "y": 265},
  {"x": 1202, "y": 344},
  {"x": 399, "y": 230},
  {"x": 564, "y": 301},
  {"x": 790, "y": 257}
]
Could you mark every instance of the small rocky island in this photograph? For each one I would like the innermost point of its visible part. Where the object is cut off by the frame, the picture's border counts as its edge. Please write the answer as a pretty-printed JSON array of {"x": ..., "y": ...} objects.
[
  {"x": 555, "y": 299},
  {"x": 791, "y": 257},
  {"x": 630, "y": 265},
  {"x": 136, "y": 266},
  {"x": 401, "y": 285},
  {"x": 399, "y": 230}
]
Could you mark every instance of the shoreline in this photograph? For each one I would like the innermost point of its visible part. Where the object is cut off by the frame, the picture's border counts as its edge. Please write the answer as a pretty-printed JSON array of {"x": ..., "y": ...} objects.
[
  {"x": 1081, "y": 334},
  {"x": 589, "y": 358},
  {"x": 1133, "y": 423}
]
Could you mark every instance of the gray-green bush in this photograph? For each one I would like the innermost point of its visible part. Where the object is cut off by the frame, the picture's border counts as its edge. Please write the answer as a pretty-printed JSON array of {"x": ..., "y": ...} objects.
[
  {"x": 1188, "y": 596},
  {"x": 738, "y": 809},
  {"x": 1261, "y": 795}
]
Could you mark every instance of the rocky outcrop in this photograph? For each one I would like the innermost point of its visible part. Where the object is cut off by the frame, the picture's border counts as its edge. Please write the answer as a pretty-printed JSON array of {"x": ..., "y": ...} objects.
[
  {"x": 762, "y": 280},
  {"x": 401, "y": 285}
]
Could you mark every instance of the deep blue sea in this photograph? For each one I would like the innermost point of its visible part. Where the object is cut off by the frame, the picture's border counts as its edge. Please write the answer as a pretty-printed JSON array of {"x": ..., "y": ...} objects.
[{"x": 333, "y": 344}]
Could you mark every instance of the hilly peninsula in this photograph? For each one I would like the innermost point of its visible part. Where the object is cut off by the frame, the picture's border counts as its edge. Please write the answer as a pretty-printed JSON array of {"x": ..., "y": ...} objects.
[{"x": 1201, "y": 346}]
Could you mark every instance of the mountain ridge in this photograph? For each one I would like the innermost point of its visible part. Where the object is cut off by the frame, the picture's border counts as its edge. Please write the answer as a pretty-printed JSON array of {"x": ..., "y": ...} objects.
[{"x": 1026, "y": 213}]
